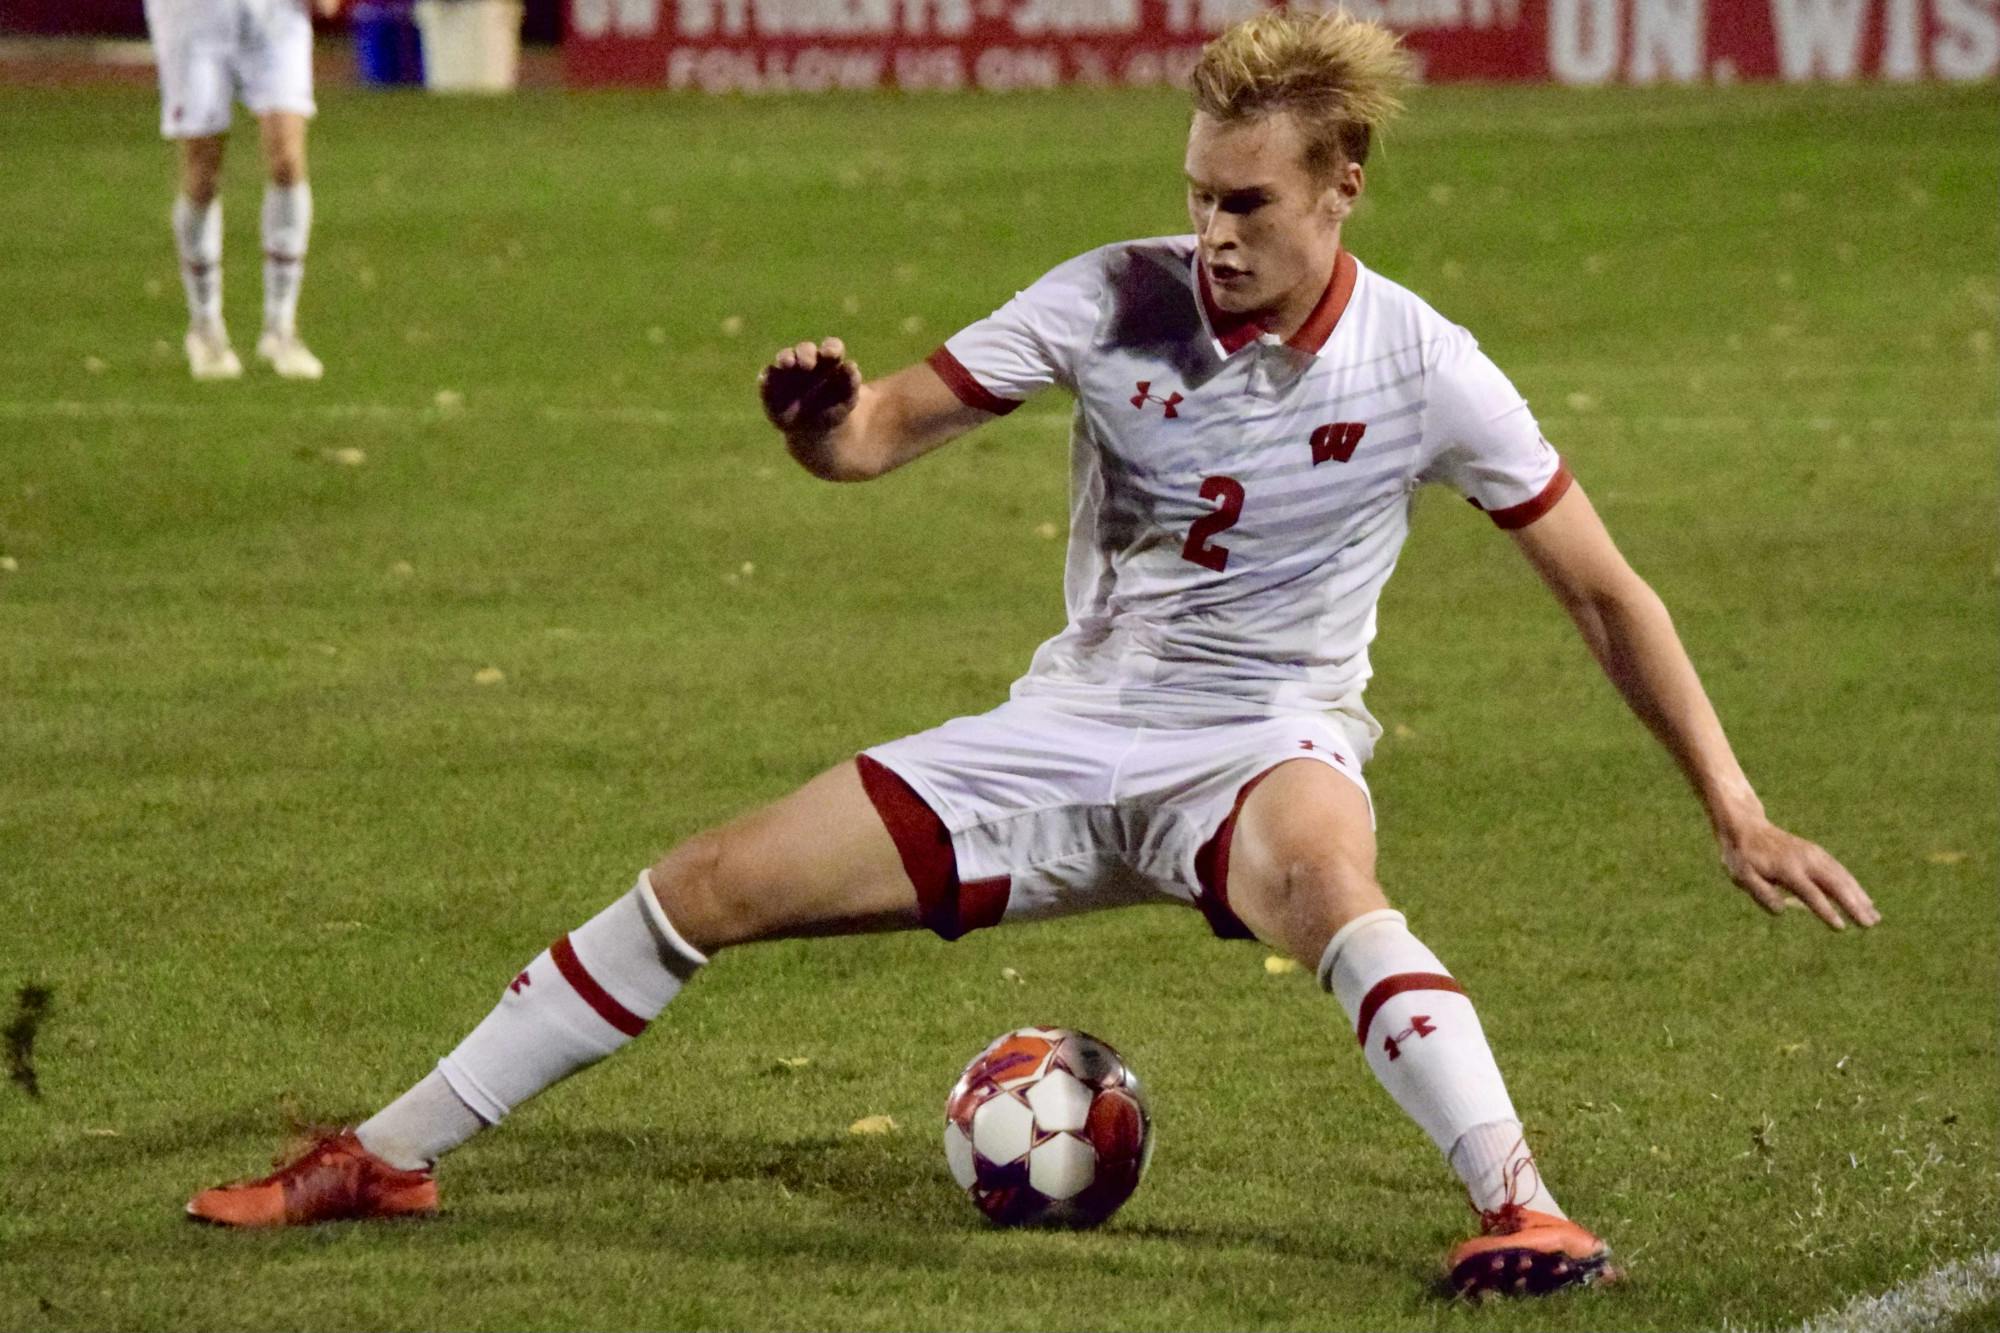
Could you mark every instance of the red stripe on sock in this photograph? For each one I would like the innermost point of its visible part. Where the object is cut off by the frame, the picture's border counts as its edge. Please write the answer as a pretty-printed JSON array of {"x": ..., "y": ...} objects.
[
  {"x": 594, "y": 995},
  {"x": 1388, "y": 988}
]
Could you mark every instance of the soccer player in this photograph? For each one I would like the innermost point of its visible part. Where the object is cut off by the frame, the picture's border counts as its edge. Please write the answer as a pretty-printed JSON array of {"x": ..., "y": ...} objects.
[
  {"x": 1254, "y": 408},
  {"x": 209, "y": 52}
]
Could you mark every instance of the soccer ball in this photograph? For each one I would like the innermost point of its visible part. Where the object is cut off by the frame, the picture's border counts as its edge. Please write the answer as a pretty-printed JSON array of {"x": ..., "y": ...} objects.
[{"x": 1047, "y": 1125}]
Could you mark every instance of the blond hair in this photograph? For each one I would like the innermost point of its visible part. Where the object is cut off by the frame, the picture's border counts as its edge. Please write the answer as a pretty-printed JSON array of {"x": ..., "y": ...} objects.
[{"x": 1338, "y": 76}]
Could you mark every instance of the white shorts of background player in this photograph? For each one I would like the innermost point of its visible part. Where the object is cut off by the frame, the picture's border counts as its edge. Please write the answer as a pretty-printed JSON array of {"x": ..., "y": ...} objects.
[{"x": 212, "y": 52}]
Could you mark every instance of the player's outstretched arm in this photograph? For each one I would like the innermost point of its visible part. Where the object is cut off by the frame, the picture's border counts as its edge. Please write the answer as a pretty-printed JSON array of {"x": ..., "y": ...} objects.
[
  {"x": 841, "y": 428},
  {"x": 1631, "y": 635}
]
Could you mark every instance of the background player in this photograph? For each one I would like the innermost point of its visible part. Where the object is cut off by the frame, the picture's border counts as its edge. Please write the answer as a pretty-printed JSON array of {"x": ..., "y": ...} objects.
[
  {"x": 1254, "y": 409},
  {"x": 210, "y": 52}
]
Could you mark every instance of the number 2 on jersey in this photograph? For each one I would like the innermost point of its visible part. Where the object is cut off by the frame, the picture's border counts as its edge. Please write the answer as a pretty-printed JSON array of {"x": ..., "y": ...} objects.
[{"x": 1227, "y": 493}]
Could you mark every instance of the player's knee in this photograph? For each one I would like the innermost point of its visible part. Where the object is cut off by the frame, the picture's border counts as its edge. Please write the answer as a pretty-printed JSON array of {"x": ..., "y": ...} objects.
[
  {"x": 201, "y": 172},
  {"x": 1311, "y": 897},
  {"x": 287, "y": 168},
  {"x": 703, "y": 888}
]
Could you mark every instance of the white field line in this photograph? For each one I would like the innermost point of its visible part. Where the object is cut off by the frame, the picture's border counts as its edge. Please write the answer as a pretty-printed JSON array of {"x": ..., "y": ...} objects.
[
  {"x": 107, "y": 409},
  {"x": 1919, "y": 1305}
]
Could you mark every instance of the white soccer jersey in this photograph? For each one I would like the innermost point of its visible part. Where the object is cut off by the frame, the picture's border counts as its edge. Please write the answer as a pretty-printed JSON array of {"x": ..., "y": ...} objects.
[{"x": 1237, "y": 502}]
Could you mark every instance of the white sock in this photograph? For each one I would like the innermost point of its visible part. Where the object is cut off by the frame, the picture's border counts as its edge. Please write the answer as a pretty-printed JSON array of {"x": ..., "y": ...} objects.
[
  {"x": 420, "y": 1126},
  {"x": 198, "y": 242},
  {"x": 582, "y": 998},
  {"x": 1423, "y": 1040},
  {"x": 287, "y": 225}
]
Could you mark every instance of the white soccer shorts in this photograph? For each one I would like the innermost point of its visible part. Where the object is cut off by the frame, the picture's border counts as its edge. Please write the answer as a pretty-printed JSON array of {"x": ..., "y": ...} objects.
[
  {"x": 211, "y": 51},
  {"x": 1049, "y": 813}
]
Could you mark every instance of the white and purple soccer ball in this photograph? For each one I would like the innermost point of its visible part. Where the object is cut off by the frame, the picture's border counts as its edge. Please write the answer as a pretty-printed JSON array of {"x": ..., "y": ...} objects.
[{"x": 1047, "y": 1125}]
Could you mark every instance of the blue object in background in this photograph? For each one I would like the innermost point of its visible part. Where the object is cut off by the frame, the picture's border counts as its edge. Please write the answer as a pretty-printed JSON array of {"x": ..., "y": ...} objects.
[{"x": 387, "y": 47}]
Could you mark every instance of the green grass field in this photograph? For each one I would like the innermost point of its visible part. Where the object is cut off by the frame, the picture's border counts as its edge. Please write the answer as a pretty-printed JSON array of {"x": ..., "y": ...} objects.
[{"x": 271, "y": 848}]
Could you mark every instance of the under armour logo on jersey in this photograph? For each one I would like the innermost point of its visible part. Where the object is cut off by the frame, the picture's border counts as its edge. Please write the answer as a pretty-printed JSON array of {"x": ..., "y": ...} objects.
[
  {"x": 1420, "y": 1026},
  {"x": 520, "y": 983},
  {"x": 1336, "y": 441},
  {"x": 1145, "y": 395}
]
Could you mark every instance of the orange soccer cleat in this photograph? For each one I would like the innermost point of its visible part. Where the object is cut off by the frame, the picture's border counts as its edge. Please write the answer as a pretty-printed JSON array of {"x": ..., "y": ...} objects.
[
  {"x": 334, "y": 1180},
  {"x": 1519, "y": 1252}
]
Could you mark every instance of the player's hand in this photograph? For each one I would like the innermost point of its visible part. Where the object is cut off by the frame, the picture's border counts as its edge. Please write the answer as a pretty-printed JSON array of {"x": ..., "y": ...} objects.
[
  {"x": 327, "y": 8},
  {"x": 1781, "y": 870},
  {"x": 809, "y": 389}
]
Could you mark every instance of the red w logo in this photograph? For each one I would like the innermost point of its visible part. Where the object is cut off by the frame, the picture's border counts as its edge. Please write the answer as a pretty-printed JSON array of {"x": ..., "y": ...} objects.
[
  {"x": 1420, "y": 1026},
  {"x": 1144, "y": 396},
  {"x": 519, "y": 984},
  {"x": 1336, "y": 441}
]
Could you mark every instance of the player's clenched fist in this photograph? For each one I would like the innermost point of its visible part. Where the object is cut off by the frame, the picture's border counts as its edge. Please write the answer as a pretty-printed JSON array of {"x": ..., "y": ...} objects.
[{"x": 809, "y": 389}]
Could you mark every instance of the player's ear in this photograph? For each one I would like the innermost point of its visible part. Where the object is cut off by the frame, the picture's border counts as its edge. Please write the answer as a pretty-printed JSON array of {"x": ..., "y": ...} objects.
[{"x": 1340, "y": 194}]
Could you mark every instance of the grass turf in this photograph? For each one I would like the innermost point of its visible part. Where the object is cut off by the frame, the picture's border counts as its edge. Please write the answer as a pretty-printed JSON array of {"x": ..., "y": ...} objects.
[{"x": 271, "y": 848}]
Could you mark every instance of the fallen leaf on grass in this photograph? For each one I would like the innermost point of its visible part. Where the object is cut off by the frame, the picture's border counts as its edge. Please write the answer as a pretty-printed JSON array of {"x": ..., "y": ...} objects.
[
  {"x": 1942, "y": 858},
  {"x": 9, "y": 565},
  {"x": 1278, "y": 965},
  {"x": 489, "y": 676},
  {"x": 348, "y": 457},
  {"x": 873, "y": 1124},
  {"x": 1047, "y": 531},
  {"x": 1009, "y": 974},
  {"x": 794, "y": 1061},
  {"x": 448, "y": 400},
  {"x": 732, "y": 326}
]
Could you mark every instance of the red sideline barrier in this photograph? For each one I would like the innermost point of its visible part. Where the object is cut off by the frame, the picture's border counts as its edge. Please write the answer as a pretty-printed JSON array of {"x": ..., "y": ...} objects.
[{"x": 754, "y": 46}]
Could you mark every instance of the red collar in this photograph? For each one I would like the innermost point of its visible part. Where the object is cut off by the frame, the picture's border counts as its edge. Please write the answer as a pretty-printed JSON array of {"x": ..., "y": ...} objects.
[{"x": 1235, "y": 332}]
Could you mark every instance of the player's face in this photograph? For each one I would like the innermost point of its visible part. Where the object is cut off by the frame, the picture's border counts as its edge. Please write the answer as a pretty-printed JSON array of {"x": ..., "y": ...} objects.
[{"x": 1268, "y": 230}]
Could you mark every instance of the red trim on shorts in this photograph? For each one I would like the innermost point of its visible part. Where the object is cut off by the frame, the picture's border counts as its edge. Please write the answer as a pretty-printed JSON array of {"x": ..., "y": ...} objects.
[
  {"x": 924, "y": 844},
  {"x": 1388, "y": 988},
  {"x": 594, "y": 995},
  {"x": 1211, "y": 869},
  {"x": 969, "y": 390},
  {"x": 1526, "y": 512},
  {"x": 982, "y": 902}
]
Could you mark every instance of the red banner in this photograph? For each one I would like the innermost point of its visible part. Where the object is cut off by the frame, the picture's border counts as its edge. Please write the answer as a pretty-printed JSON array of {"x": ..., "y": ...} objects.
[{"x": 750, "y": 46}]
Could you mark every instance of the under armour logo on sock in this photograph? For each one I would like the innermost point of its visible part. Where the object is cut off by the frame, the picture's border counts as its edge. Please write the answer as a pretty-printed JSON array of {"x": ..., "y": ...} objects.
[
  {"x": 522, "y": 982},
  {"x": 1420, "y": 1026}
]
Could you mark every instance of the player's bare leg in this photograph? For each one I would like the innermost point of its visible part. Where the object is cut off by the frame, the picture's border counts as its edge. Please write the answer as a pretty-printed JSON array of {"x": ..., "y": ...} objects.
[
  {"x": 197, "y": 221},
  {"x": 817, "y": 862},
  {"x": 1302, "y": 876},
  {"x": 287, "y": 226}
]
